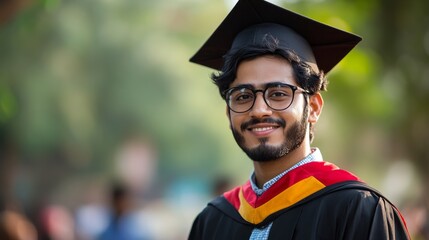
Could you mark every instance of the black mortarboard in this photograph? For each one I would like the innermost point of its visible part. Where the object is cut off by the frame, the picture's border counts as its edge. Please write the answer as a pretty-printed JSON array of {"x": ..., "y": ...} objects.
[{"x": 251, "y": 20}]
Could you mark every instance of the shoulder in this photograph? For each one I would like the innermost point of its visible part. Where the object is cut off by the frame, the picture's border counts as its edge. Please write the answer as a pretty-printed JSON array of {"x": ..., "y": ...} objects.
[
  {"x": 202, "y": 222},
  {"x": 386, "y": 220},
  {"x": 348, "y": 200},
  {"x": 213, "y": 211},
  {"x": 351, "y": 193},
  {"x": 219, "y": 214}
]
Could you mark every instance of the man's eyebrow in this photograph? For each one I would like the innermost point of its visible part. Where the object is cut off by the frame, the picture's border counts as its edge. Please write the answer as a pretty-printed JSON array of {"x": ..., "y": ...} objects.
[
  {"x": 273, "y": 84},
  {"x": 250, "y": 86}
]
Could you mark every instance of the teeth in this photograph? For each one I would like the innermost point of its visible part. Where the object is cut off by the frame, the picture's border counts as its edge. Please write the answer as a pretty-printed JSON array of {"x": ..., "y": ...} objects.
[{"x": 262, "y": 129}]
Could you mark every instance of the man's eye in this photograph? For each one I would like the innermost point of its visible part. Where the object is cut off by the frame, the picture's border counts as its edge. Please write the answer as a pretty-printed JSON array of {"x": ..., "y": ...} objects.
[
  {"x": 279, "y": 94},
  {"x": 243, "y": 97}
]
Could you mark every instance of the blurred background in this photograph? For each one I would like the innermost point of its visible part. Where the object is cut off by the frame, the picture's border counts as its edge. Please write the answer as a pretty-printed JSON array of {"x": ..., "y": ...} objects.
[{"x": 104, "y": 121}]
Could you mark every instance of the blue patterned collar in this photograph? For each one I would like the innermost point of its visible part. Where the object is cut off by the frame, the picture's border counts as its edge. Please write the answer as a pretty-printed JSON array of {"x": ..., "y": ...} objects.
[{"x": 315, "y": 155}]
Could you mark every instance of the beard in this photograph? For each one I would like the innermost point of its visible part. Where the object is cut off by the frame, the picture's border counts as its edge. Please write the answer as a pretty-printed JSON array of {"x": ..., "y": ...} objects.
[{"x": 263, "y": 152}]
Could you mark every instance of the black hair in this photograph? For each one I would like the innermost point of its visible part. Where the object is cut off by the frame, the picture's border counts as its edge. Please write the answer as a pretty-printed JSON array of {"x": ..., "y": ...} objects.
[{"x": 306, "y": 77}]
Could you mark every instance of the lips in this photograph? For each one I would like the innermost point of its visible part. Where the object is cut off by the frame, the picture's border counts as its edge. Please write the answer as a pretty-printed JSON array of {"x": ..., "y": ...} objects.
[
  {"x": 261, "y": 129},
  {"x": 261, "y": 125}
]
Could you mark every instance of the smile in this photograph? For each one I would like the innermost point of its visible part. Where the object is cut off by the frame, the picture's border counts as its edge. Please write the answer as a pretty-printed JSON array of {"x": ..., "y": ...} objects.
[
  {"x": 262, "y": 129},
  {"x": 261, "y": 125}
]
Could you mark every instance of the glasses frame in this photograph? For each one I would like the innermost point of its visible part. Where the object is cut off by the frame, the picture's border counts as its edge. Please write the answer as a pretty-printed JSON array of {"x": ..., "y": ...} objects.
[{"x": 227, "y": 92}]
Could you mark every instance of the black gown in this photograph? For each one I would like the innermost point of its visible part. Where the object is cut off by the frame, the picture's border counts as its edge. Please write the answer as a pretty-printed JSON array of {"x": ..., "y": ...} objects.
[{"x": 340, "y": 207}]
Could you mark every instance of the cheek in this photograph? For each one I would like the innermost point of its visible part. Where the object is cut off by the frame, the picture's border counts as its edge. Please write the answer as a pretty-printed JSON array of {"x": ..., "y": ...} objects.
[
  {"x": 295, "y": 112},
  {"x": 235, "y": 121},
  {"x": 291, "y": 115}
]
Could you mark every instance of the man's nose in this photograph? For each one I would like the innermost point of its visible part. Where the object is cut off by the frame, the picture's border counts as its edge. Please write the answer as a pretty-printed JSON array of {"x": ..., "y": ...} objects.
[{"x": 260, "y": 107}]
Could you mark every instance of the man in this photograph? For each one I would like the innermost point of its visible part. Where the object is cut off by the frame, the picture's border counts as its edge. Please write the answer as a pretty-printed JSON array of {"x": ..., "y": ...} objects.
[
  {"x": 272, "y": 64},
  {"x": 124, "y": 223}
]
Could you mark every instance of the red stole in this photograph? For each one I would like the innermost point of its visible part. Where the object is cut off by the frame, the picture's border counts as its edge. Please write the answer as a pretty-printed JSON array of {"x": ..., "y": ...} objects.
[{"x": 296, "y": 185}]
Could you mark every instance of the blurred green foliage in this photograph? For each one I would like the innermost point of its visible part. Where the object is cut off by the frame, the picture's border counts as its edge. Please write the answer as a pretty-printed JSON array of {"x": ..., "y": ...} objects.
[{"x": 78, "y": 77}]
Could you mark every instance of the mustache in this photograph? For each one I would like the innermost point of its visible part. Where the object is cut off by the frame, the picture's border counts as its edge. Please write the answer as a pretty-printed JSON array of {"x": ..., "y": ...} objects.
[{"x": 254, "y": 121}]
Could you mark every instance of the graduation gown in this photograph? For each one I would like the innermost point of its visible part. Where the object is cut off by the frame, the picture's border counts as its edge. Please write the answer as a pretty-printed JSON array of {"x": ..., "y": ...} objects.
[{"x": 314, "y": 201}]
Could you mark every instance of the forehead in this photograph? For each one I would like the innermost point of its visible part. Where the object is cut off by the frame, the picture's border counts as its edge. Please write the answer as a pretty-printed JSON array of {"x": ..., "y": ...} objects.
[{"x": 264, "y": 69}]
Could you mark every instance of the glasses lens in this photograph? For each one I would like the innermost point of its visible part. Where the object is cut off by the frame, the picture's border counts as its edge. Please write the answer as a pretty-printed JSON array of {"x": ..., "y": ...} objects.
[
  {"x": 240, "y": 99},
  {"x": 279, "y": 97}
]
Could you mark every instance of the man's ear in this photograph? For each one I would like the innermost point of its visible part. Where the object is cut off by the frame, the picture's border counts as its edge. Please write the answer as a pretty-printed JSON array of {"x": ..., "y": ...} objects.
[{"x": 316, "y": 105}]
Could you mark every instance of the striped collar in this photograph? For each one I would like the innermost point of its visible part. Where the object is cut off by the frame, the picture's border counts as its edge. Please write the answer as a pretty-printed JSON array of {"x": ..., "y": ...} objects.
[{"x": 315, "y": 155}]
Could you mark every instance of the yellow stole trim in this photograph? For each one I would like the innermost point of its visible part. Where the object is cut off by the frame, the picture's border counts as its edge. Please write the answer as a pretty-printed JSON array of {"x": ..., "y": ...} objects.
[{"x": 285, "y": 199}]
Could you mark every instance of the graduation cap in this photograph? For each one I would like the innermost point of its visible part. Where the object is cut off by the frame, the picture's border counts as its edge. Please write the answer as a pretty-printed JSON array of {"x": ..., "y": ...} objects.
[{"x": 250, "y": 21}]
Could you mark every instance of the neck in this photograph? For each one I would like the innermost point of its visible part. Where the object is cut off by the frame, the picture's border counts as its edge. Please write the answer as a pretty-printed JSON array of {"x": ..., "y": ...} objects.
[{"x": 265, "y": 171}]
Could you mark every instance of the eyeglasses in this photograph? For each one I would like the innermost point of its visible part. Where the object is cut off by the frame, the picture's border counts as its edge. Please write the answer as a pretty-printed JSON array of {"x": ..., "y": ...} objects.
[{"x": 278, "y": 96}]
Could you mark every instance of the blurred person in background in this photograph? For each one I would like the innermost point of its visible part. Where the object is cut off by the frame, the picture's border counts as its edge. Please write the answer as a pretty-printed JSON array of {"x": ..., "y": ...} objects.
[
  {"x": 57, "y": 223},
  {"x": 221, "y": 184},
  {"x": 272, "y": 65},
  {"x": 124, "y": 223},
  {"x": 15, "y": 226}
]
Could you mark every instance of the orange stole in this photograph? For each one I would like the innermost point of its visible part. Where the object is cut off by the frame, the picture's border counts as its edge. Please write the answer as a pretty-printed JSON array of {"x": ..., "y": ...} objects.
[
  {"x": 288, "y": 197},
  {"x": 290, "y": 189}
]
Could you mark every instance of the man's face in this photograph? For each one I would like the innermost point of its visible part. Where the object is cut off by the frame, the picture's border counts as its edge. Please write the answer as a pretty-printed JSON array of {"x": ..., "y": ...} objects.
[{"x": 265, "y": 134}]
